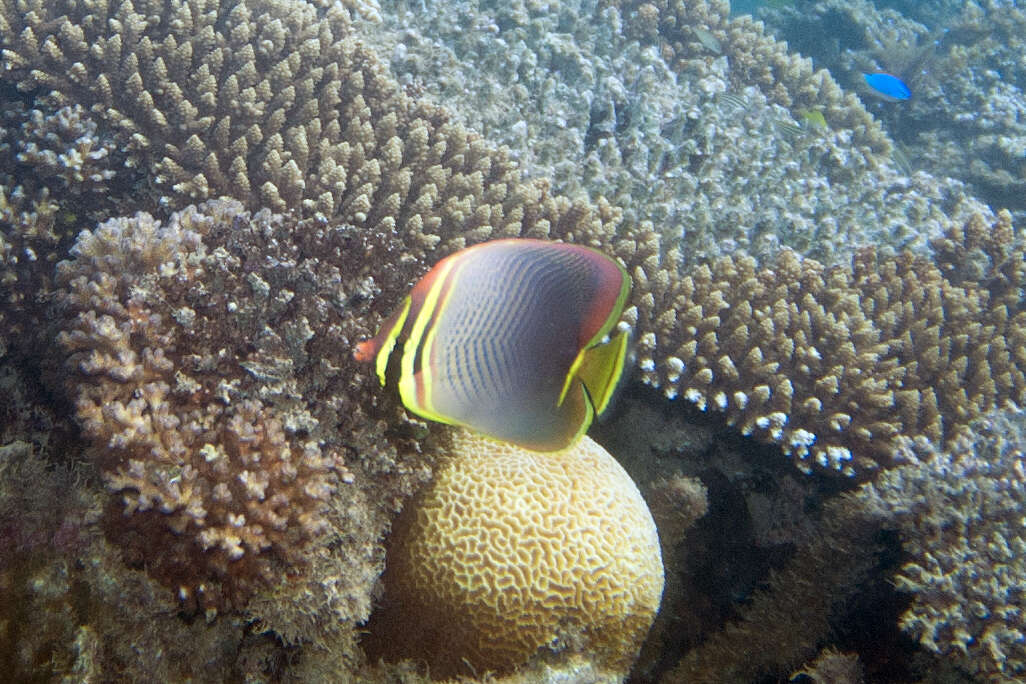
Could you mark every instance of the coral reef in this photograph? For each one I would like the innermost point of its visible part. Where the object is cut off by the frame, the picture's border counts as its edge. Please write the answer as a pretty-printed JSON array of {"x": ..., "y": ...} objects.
[
  {"x": 220, "y": 478},
  {"x": 623, "y": 101},
  {"x": 573, "y": 563},
  {"x": 209, "y": 362},
  {"x": 242, "y": 99},
  {"x": 964, "y": 119},
  {"x": 28, "y": 242},
  {"x": 960, "y": 512},
  {"x": 834, "y": 364},
  {"x": 780, "y": 626},
  {"x": 236, "y": 454},
  {"x": 64, "y": 146},
  {"x": 57, "y": 175},
  {"x": 215, "y": 413},
  {"x": 70, "y": 611}
]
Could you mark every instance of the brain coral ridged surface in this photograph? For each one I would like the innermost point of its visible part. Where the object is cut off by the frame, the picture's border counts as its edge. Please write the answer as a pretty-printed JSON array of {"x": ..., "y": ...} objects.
[{"x": 511, "y": 551}]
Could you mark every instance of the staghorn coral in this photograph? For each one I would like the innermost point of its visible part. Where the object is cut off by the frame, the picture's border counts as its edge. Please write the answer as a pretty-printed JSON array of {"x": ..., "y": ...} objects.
[
  {"x": 575, "y": 563},
  {"x": 834, "y": 364},
  {"x": 960, "y": 513}
]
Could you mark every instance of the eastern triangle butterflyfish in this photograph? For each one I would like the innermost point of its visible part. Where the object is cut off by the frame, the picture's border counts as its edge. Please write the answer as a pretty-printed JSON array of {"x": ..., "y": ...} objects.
[{"x": 512, "y": 338}]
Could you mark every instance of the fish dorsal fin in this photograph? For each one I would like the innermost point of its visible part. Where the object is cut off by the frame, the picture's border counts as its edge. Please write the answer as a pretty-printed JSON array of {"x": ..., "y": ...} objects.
[
  {"x": 599, "y": 368},
  {"x": 379, "y": 348}
]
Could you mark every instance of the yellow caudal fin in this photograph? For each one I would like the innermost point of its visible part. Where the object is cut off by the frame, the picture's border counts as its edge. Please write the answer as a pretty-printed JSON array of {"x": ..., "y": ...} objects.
[{"x": 600, "y": 368}]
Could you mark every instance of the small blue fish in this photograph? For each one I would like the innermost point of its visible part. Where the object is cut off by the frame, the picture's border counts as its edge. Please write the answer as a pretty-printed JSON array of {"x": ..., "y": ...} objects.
[{"x": 890, "y": 88}]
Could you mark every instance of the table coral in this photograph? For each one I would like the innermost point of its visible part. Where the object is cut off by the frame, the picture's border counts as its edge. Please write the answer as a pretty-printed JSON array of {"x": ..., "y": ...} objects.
[
  {"x": 512, "y": 551},
  {"x": 834, "y": 364},
  {"x": 623, "y": 101},
  {"x": 241, "y": 99}
]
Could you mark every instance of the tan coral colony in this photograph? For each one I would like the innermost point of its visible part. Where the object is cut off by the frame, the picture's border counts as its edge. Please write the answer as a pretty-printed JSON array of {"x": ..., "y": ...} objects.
[{"x": 511, "y": 551}]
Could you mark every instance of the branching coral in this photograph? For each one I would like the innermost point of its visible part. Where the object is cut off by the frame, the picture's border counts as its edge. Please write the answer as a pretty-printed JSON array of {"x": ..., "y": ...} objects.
[
  {"x": 242, "y": 99},
  {"x": 834, "y": 364},
  {"x": 622, "y": 100},
  {"x": 220, "y": 476},
  {"x": 71, "y": 611},
  {"x": 960, "y": 512},
  {"x": 28, "y": 242},
  {"x": 209, "y": 361}
]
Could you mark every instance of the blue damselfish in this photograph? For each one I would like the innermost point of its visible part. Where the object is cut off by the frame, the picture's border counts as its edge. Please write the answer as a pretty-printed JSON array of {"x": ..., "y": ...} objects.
[{"x": 887, "y": 86}]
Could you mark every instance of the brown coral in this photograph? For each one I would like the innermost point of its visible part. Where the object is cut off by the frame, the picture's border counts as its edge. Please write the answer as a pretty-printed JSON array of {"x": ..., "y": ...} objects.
[
  {"x": 28, "y": 241},
  {"x": 834, "y": 364},
  {"x": 200, "y": 348},
  {"x": 216, "y": 481},
  {"x": 756, "y": 58},
  {"x": 960, "y": 512},
  {"x": 242, "y": 99}
]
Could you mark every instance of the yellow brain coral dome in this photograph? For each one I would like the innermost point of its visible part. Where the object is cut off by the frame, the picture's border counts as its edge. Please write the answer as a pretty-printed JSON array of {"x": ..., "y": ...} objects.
[{"x": 511, "y": 550}]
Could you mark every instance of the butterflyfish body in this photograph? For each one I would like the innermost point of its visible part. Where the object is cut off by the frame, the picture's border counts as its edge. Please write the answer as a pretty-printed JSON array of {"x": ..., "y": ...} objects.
[{"x": 509, "y": 338}]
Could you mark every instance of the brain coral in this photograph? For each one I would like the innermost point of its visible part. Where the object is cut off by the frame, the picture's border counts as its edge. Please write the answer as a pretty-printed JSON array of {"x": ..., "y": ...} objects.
[{"x": 510, "y": 551}]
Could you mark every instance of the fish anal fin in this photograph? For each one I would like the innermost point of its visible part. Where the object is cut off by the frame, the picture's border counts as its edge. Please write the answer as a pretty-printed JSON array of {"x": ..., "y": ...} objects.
[
  {"x": 600, "y": 368},
  {"x": 576, "y": 414}
]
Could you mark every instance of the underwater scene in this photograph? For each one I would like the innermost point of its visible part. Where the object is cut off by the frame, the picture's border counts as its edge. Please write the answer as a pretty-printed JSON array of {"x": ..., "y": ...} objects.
[{"x": 513, "y": 341}]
